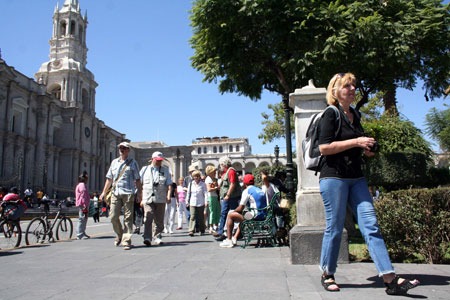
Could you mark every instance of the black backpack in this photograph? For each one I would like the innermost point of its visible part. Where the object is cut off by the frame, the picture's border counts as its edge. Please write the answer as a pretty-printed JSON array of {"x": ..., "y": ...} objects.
[{"x": 310, "y": 144}]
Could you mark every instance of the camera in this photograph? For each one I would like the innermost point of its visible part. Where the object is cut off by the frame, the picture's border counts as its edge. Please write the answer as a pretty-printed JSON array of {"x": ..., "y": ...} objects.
[
  {"x": 375, "y": 147},
  {"x": 151, "y": 200}
]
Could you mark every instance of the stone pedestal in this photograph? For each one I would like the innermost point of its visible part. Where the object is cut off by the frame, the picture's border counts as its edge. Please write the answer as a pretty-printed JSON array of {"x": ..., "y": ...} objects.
[
  {"x": 306, "y": 243},
  {"x": 306, "y": 236}
]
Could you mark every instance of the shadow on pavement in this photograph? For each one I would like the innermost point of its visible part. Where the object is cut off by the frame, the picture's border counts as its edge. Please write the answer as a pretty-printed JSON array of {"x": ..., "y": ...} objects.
[
  {"x": 9, "y": 253},
  {"x": 425, "y": 280}
]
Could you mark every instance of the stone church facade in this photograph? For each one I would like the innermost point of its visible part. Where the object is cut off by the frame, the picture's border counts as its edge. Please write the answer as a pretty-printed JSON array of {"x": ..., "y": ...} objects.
[{"x": 49, "y": 132}]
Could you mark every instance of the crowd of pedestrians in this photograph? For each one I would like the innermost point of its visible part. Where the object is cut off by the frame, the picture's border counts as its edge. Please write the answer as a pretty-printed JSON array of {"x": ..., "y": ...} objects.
[{"x": 217, "y": 201}]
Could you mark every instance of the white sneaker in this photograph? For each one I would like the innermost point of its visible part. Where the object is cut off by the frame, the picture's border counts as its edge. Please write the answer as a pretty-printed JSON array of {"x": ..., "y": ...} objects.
[
  {"x": 165, "y": 230},
  {"x": 226, "y": 244},
  {"x": 234, "y": 241},
  {"x": 170, "y": 231},
  {"x": 156, "y": 241}
]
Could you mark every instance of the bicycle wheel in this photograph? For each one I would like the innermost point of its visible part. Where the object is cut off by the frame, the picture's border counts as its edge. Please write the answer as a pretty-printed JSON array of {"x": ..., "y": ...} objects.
[
  {"x": 10, "y": 234},
  {"x": 64, "y": 229},
  {"x": 36, "y": 232}
]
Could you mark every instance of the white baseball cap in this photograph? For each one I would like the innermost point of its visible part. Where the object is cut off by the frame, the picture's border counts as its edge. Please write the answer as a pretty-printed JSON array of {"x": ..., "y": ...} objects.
[{"x": 157, "y": 156}]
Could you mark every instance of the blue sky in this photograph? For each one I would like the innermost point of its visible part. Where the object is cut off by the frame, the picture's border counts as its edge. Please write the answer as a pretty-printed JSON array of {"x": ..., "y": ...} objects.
[{"x": 139, "y": 53}]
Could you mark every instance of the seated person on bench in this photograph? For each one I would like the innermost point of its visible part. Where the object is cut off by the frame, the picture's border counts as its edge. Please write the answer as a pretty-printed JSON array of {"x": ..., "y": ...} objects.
[{"x": 252, "y": 197}]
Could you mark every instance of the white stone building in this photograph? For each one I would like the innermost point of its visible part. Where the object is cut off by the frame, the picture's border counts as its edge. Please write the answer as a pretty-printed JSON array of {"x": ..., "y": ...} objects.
[{"x": 207, "y": 151}]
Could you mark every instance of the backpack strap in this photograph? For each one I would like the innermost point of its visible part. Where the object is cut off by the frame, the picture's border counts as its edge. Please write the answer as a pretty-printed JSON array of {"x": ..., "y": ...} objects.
[
  {"x": 336, "y": 132},
  {"x": 338, "y": 119}
]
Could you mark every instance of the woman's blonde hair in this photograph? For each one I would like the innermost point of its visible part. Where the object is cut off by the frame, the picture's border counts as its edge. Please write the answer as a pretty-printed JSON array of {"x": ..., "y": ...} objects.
[{"x": 338, "y": 80}]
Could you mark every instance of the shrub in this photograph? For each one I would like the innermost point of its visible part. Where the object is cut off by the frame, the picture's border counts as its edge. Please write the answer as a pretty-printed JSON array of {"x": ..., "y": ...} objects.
[
  {"x": 438, "y": 177},
  {"x": 416, "y": 224},
  {"x": 397, "y": 170}
]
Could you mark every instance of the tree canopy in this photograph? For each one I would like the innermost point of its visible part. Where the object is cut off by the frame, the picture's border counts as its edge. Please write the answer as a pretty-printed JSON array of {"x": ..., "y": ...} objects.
[
  {"x": 438, "y": 127},
  {"x": 278, "y": 45}
]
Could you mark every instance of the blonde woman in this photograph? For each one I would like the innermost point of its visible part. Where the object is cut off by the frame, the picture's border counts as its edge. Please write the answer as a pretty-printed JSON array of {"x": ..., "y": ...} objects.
[
  {"x": 213, "y": 198},
  {"x": 343, "y": 184}
]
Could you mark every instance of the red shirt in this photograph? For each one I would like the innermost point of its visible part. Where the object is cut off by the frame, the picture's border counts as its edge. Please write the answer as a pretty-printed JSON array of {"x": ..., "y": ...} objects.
[{"x": 232, "y": 175}]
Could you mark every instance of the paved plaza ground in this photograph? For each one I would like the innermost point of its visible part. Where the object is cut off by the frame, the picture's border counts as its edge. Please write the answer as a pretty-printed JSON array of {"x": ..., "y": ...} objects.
[{"x": 185, "y": 267}]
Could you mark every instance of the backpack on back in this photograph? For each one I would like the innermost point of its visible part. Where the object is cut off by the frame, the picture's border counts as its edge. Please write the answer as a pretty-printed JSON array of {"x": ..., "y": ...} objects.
[{"x": 310, "y": 144}]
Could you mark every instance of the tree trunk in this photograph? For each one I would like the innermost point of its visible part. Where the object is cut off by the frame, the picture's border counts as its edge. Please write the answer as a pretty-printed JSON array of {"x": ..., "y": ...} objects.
[{"x": 390, "y": 101}]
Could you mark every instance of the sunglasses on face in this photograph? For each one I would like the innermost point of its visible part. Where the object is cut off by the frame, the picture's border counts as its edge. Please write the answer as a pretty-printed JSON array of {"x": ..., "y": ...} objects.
[{"x": 338, "y": 76}]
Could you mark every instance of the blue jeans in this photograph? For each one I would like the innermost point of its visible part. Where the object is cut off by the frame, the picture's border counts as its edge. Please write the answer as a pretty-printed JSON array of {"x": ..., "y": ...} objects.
[
  {"x": 337, "y": 193},
  {"x": 226, "y": 205},
  {"x": 82, "y": 221}
]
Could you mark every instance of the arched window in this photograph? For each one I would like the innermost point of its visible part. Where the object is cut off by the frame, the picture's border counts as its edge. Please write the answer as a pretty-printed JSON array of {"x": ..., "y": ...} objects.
[
  {"x": 85, "y": 100},
  {"x": 18, "y": 119},
  {"x": 237, "y": 148},
  {"x": 62, "y": 28},
  {"x": 56, "y": 92},
  {"x": 220, "y": 149},
  {"x": 205, "y": 150},
  {"x": 230, "y": 149},
  {"x": 199, "y": 150},
  {"x": 215, "y": 149},
  {"x": 72, "y": 28},
  {"x": 80, "y": 34}
]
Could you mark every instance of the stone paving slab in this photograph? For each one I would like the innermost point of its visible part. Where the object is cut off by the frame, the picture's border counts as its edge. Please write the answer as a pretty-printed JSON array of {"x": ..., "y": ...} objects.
[{"x": 188, "y": 268}]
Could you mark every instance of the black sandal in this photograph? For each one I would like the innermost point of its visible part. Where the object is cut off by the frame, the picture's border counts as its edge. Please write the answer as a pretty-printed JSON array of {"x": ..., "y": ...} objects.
[
  {"x": 327, "y": 281},
  {"x": 394, "y": 288}
]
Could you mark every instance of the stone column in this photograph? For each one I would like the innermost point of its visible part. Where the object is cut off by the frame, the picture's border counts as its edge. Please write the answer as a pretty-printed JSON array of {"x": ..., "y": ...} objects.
[{"x": 306, "y": 236}]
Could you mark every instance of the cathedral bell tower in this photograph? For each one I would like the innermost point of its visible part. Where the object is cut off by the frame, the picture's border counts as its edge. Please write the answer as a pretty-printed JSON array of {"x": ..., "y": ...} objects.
[{"x": 66, "y": 75}]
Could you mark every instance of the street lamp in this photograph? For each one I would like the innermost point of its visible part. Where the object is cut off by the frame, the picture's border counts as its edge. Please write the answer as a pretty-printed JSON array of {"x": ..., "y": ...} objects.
[
  {"x": 289, "y": 163},
  {"x": 277, "y": 154}
]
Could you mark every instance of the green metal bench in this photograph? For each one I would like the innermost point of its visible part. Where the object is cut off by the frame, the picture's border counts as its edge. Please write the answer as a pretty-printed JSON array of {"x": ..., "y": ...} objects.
[{"x": 264, "y": 229}]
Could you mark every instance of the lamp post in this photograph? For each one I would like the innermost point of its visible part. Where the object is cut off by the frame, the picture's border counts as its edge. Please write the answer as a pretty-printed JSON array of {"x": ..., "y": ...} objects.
[
  {"x": 289, "y": 164},
  {"x": 277, "y": 154}
]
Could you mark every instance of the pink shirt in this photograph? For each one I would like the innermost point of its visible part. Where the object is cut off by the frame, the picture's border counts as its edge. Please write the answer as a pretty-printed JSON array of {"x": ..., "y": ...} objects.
[
  {"x": 181, "y": 194},
  {"x": 82, "y": 197}
]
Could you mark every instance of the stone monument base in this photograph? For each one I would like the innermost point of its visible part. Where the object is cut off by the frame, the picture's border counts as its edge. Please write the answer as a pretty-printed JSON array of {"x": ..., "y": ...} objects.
[{"x": 306, "y": 243}]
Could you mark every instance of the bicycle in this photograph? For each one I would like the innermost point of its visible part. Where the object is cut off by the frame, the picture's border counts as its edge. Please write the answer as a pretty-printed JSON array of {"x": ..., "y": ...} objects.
[
  {"x": 10, "y": 230},
  {"x": 41, "y": 227}
]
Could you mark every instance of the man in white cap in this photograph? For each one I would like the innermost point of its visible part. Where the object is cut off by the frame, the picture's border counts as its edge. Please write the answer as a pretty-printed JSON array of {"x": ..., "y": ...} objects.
[
  {"x": 156, "y": 192},
  {"x": 123, "y": 176}
]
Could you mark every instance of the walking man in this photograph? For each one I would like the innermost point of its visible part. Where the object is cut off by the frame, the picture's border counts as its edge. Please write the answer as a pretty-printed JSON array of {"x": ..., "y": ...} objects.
[
  {"x": 123, "y": 177},
  {"x": 156, "y": 193}
]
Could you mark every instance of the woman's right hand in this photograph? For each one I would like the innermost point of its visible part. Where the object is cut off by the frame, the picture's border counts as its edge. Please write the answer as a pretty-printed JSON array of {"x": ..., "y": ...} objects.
[{"x": 365, "y": 142}]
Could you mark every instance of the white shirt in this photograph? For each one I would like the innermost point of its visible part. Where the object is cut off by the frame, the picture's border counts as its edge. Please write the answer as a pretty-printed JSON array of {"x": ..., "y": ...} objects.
[{"x": 197, "y": 193}]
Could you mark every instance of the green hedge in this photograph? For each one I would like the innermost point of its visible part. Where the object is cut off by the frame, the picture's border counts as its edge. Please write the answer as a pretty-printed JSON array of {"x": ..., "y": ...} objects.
[
  {"x": 397, "y": 170},
  {"x": 416, "y": 224}
]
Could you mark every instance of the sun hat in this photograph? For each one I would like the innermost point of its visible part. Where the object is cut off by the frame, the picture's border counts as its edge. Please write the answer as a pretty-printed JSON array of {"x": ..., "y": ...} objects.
[
  {"x": 210, "y": 169},
  {"x": 124, "y": 144}
]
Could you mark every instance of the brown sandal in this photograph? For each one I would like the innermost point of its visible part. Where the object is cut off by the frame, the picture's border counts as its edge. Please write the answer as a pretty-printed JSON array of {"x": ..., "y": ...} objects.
[
  {"x": 328, "y": 281},
  {"x": 395, "y": 288}
]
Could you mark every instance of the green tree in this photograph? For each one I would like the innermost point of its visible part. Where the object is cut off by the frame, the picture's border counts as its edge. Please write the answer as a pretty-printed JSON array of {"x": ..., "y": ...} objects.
[
  {"x": 274, "y": 124},
  {"x": 438, "y": 127},
  {"x": 250, "y": 45}
]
